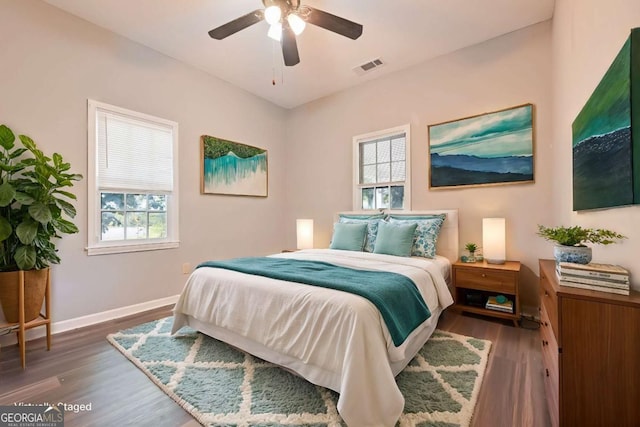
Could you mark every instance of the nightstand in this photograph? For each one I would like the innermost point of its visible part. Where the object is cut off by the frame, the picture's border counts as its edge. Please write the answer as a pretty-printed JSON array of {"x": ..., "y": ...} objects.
[{"x": 474, "y": 282}]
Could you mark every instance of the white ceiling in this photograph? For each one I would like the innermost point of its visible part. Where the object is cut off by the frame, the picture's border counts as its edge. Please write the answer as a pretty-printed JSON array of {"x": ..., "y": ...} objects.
[{"x": 400, "y": 32}]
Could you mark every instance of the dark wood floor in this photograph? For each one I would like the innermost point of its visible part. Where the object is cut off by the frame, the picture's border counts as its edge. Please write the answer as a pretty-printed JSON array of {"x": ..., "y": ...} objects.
[{"x": 82, "y": 368}]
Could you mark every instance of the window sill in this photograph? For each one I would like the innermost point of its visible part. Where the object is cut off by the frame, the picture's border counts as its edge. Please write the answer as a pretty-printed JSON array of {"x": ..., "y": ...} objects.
[{"x": 118, "y": 249}]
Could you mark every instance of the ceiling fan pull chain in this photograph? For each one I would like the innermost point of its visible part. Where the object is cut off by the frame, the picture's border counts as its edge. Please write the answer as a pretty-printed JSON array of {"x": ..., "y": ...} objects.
[{"x": 273, "y": 63}]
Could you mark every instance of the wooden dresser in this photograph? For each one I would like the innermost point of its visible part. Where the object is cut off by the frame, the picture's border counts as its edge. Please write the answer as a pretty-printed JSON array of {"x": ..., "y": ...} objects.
[{"x": 591, "y": 354}]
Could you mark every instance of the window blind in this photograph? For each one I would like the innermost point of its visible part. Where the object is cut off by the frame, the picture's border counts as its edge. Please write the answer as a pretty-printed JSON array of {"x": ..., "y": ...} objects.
[
  {"x": 383, "y": 160},
  {"x": 134, "y": 154}
]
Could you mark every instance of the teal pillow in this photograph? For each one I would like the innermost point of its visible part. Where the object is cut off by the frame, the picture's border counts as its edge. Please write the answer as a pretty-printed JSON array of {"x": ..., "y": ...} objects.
[
  {"x": 348, "y": 237},
  {"x": 372, "y": 227},
  {"x": 395, "y": 239},
  {"x": 426, "y": 235}
]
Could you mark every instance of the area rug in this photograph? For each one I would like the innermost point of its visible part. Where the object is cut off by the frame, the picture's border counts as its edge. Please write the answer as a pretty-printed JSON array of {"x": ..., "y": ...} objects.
[{"x": 221, "y": 386}]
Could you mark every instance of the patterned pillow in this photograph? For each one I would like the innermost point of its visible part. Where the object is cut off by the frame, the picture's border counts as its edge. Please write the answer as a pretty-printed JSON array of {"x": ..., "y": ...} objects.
[
  {"x": 372, "y": 227},
  {"x": 426, "y": 234}
]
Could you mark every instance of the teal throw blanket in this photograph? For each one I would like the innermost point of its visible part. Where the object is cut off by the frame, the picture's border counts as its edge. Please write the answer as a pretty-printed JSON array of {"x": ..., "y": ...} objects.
[{"x": 395, "y": 295}]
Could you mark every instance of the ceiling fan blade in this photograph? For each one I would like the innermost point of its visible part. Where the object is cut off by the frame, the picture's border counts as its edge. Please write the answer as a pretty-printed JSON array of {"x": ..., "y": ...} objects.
[
  {"x": 236, "y": 25},
  {"x": 289, "y": 46},
  {"x": 332, "y": 22}
]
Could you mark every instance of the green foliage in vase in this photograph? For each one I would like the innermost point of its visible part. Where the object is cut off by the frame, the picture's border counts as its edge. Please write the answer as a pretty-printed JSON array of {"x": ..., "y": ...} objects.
[
  {"x": 578, "y": 236},
  {"x": 33, "y": 203},
  {"x": 471, "y": 247}
]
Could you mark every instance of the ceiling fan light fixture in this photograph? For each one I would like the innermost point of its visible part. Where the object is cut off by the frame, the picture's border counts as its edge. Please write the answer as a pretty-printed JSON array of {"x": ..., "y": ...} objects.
[
  {"x": 275, "y": 31},
  {"x": 272, "y": 14},
  {"x": 296, "y": 23}
]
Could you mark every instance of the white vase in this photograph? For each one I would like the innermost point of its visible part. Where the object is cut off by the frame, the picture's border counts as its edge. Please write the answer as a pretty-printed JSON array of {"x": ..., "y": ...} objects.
[{"x": 575, "y": 254}]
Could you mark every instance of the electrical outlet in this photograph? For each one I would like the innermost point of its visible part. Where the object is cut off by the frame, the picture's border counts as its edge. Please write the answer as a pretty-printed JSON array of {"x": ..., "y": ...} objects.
[{"x": 186, "y": 268}]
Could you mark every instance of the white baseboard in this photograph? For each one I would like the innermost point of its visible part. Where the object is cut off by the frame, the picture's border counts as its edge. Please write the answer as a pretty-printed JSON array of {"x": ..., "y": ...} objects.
[{"x": 92, "y": 319}]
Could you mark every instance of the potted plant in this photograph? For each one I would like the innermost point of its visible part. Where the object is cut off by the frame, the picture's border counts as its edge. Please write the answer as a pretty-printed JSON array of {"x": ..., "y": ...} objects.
[
  {"x": 471, "y": 248},
  {"x": 33, "y": 204},
  {"x": 571, "y": 241}
]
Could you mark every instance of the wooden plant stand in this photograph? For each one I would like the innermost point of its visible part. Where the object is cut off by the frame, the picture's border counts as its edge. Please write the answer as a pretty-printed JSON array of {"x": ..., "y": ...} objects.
[{"x": 41, "y": 320}]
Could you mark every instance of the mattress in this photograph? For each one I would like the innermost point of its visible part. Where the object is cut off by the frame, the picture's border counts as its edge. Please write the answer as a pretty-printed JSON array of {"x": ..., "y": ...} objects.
[{"x": 332, "y": 338}]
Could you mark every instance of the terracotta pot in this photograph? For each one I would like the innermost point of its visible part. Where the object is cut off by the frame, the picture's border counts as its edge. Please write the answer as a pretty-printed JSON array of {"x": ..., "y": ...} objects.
[{"x": 35, "y": 285}]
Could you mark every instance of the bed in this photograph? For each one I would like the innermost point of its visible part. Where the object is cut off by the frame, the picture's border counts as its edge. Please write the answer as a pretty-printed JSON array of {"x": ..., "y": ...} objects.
[{"x": 331, "y": 338}]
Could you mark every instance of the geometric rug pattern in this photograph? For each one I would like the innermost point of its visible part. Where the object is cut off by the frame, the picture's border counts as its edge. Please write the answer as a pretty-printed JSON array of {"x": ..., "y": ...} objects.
[{"x": 222, "y": 386}]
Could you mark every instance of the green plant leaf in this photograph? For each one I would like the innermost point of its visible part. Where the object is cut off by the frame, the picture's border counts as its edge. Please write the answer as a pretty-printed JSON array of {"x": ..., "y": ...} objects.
[
  {"x": 66, "y": 193},
  {"x": 27, "y": 231},
  {"x": 24, "y": 198},
  {"x": 25, "y": 257},
  {"x": 7, "y": 137},
  {"x": 67, "y": 207},
  {"x": 5, "y": 229},
  {"x": 40, "y": 212},
  {"x": 17, "y": 153},
  {"x": 65, "y": 226},
  {"x": 29, "y": 144},
  {"x": 7, "y": 193}
]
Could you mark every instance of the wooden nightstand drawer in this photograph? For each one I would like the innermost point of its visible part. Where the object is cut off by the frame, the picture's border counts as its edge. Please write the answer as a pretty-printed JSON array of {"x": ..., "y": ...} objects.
[
  {"x": 474, "y": 283},
  {"x": 487, "y": 280}
]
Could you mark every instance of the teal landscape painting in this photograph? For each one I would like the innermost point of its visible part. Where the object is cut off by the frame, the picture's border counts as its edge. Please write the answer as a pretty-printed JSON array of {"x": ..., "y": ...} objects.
[
  {"x": 603, "y": 137},
  {"x": 491, "y": 148},
  {"x": 232, "y": 168}
]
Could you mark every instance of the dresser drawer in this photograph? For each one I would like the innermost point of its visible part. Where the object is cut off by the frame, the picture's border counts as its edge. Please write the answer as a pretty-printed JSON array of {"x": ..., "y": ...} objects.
[
  {"x": 550, "y": 366},
  {"x": 552, "y": 392},
  {"x": 549, "y": 342},
  {"x": 549, "y": 302},
  {"x": 493, "y": 281}
]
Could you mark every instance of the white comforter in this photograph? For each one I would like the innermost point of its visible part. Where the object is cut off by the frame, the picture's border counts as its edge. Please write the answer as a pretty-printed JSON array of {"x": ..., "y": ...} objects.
[{"x": 332, "y": 338}]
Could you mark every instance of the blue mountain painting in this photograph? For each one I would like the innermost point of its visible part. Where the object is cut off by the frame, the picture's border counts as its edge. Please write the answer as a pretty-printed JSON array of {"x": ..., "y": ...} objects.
[{"x": 487, "y": 149}]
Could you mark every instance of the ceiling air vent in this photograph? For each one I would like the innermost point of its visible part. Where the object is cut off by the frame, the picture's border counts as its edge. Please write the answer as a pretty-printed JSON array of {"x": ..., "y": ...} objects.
[{"x": 368, "y": 66}]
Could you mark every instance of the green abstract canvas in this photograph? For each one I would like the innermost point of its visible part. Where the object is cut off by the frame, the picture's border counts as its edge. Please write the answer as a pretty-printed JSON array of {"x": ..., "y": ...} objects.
[
  {"x": 606, "y": 136},
  {"x": 232, "y": 168}
]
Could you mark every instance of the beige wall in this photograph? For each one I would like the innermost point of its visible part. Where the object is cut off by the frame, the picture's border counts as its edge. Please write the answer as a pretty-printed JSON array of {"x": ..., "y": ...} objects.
[
  {"x": 504, "y": 72},
  {"x": 57, "y": 61},
  {"x": 51, "y": 63},
  {"x": 587, "y": 35}
]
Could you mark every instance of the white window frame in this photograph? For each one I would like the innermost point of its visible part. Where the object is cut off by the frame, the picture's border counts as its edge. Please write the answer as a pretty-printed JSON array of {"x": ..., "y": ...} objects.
[
  {"x": 95, "y": 245},
  {"x": 357, "y": 187}
]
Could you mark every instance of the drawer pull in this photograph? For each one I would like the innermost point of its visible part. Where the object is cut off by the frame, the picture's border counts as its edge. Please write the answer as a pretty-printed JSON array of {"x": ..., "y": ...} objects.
[
  {"x": 484, "y": 275},
  {"x": 546, "y": 324},
  {"x": 545, "y": 343},
  {"x": 547, "y": 372},
  {"x": 546, "y": 294}
]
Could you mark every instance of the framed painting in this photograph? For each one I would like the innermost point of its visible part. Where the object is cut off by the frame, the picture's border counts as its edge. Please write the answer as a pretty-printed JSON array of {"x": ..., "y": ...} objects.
[
  {"x": 606, "y": 140},
  {"x": 486, "y": 149},
  {"x": 232, "y": 168}
]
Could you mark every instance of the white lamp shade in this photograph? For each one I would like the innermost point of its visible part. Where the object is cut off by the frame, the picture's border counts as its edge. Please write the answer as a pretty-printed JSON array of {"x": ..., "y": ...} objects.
[
  {"x": 493, "y": 240},
  {"x": 296, "y": 23},
  {"x": 275, "y": 31},
  {"x": 272, "y": 14},
  {"x": 304, "y": 232}
]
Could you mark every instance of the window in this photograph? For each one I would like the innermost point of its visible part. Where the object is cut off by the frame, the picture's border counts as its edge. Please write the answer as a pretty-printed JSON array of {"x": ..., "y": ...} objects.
[
  {"x": 381, "y": 170},
  {"x": 133, "y": 191}
]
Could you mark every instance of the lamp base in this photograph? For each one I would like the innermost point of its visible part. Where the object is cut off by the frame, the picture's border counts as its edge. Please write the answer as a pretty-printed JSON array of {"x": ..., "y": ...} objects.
[{"x": 494, "y": 261}]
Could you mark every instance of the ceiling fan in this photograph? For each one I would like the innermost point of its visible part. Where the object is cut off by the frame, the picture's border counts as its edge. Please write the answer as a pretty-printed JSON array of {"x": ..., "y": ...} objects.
[{"x": 287, "y": 19}]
